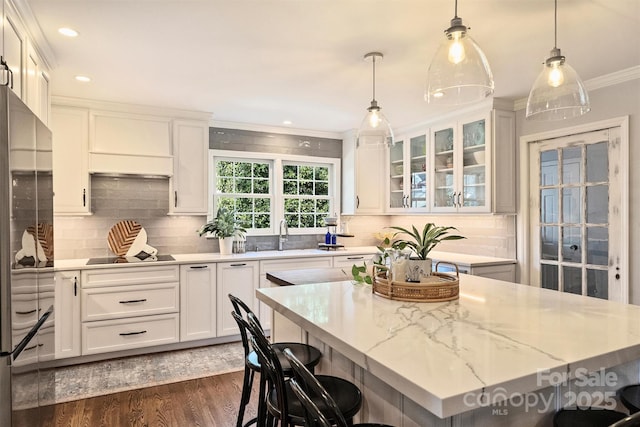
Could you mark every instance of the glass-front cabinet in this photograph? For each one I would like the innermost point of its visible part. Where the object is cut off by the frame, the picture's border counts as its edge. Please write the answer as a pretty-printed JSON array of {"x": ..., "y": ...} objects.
[
  {"x": 408, "y": 176},
  {"x": 462, "y": 166}
]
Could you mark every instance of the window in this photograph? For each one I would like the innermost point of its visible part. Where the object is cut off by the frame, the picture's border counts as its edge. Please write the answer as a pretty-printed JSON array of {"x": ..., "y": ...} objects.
[
  {"x": 262, "y": 189},
  {"x": 245, "y": 187},
  {"x": 306, "y": 195}
]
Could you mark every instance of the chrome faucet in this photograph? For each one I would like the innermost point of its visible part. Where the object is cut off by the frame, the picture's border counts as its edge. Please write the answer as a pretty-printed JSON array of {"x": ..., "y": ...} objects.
[{"x": 281, "y": 239}]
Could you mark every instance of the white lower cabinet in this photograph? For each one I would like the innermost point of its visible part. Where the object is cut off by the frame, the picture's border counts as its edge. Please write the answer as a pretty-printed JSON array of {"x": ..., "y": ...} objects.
[
  {"x": 197, "y": 302},
  {"x": 293, "y": 331},
  {"x": 128, "y": 333},
  {"x": 67, "y": 311},
  {"x": 126, "y": 308},
  {"x": 241, "y": 280}
]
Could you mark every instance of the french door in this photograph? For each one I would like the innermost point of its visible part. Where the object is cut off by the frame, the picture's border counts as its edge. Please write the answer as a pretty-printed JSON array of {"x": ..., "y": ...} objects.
[{"x": 576, "y": 221}]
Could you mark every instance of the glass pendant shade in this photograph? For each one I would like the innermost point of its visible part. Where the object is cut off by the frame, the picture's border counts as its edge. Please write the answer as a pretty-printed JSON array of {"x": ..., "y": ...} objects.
[
  {"x": 558, "y": 93},
  {"x": 375, "y": 131},
  {"x": 459, "y": 72}
]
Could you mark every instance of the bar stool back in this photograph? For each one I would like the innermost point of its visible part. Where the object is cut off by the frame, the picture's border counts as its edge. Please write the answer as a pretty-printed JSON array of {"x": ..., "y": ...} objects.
[
  {"x": 590, "y": 417},
  {"x": 630, "y": 397},
  {"x": 283, "y": 408},
  {"x": 305, "y": 386},
  {"x": 631, "y": 421},
  {"x": 309, "y": 355}
]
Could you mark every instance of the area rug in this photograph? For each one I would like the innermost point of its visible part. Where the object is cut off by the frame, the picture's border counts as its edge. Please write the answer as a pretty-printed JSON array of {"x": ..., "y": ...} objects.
[{"x": 112, "y": 376}]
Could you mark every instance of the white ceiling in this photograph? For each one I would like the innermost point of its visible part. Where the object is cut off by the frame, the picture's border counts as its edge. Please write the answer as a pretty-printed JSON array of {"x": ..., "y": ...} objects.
[{"x": 265, "y": 61}]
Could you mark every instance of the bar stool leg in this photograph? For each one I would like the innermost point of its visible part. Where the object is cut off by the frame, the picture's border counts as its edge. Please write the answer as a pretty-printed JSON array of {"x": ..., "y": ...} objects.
[{"x": 247, "y": 383}]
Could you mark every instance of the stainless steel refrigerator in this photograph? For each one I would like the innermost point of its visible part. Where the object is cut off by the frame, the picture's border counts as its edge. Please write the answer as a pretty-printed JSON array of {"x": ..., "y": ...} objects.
[{"x": 26, "y": 262}]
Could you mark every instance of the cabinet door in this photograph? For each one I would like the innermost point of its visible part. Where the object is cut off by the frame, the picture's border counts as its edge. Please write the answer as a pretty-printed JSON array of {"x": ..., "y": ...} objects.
[
  {"x": 190, "y": 177},
  {"x": 397, "y": 198},
  {"x": 369, "y": 180},
  {"x": 474, "y": 167},
  {"x": 416, "y": 173},
  {"x": 14, "y": 48},
  {"x": 241, "y": 280},
  {"x": 70, "y": 129},
  {"x": 67, "y": 312},
  {"x": 32, "y": 65},
  {"x": 443, "y": 154},
  {"x": 197, "y": 301}
]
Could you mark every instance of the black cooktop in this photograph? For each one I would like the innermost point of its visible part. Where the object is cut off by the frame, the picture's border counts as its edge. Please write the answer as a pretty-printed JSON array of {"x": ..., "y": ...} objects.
[{"x": 129, "y": 260}]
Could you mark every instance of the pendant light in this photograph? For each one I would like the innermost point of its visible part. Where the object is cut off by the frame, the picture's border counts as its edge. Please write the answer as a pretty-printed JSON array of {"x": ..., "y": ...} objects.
[
  {"x": 459, "y": 72},
  {"x": 558, "y": 92},
  {"x": 375, "y": 131}
]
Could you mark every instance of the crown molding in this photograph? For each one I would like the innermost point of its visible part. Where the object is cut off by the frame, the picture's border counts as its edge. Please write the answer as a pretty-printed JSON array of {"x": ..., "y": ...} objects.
[
  {"x": 274, "y": 129},
  {"x": 129, "y": 108},
  {"x": 596, "y": 83}
]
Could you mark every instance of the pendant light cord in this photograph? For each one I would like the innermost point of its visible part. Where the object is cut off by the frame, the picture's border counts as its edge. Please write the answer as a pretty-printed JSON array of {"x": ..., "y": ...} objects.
[
  {"x": 555, "y": 26},
  {"x": 374, "y": 77},
  {"x": 456, "y": 9}
]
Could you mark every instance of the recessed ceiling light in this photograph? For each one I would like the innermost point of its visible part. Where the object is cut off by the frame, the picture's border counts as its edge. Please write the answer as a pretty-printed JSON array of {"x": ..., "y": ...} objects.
[
  {"x": 287, "y": 122},
  {"x": 83, "y": 79},
  {"x": 69, "y": 32}
]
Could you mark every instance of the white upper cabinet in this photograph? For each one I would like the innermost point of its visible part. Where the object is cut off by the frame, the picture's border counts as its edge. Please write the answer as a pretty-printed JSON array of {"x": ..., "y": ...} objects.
[
  {"x": 462, "y": 165},
  {"x": 473, "y": 161},
  {"x": 30, "y": 73},
  {"x": 70, "y": 129},
  {"x": 189, "y": 181},
  {"x": 129, "y": 143},
  {"x": 407, "y": 171},
  {"x": 363, "y": 178}
]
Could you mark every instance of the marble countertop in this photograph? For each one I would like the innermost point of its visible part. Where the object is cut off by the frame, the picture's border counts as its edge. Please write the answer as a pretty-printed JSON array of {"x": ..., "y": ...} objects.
[
  {"x": 448, "y": 357},
  {"x": 462, "y": 259}
]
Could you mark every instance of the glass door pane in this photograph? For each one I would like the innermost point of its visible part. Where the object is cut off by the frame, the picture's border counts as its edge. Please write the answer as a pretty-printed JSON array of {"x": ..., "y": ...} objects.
[
  {"x": 473, "y": 163},
  {"x": 573, "y": 217},
  {"x": 396, "y": 175},
  {"x": 418, "y": 171},
  {"x": 443, "y": 168}
]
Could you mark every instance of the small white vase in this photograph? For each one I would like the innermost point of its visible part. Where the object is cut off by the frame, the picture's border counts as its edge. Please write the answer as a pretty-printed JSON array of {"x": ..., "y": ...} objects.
[
  {"x": 226, "y": 245},
  {"x": 418, "y": 269}
]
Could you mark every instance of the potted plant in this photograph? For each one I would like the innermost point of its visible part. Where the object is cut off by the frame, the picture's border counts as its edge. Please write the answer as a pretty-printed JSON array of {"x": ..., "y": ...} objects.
[
  {"x": 225, "y": 227},
  {"x": 421, "y": 243}
]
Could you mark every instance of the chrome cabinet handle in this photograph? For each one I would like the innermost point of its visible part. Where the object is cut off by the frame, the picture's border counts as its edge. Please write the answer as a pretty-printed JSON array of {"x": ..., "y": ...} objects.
[
  {"x": 133, "y": 301},
  {"x": 459, "y": 202},
  {"x": 453, "y": 199}
]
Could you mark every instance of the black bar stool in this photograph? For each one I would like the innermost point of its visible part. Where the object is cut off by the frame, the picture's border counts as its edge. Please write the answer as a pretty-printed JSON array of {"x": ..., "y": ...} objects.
[
  {"x": 282, "y": 406},
  {"x": 630, "y": 397},
  {"x": 309, "y": 355},
  {"x": 631, "y": 421},
  {"x": 590, "y": 417},
  {"x": 306, "y": 386}
]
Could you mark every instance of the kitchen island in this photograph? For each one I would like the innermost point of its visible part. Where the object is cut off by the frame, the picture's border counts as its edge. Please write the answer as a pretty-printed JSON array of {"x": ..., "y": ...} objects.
[{"x": 500, "y": 355}]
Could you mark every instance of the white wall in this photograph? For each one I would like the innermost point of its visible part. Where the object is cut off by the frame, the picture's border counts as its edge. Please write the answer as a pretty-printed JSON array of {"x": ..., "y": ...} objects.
[{"x": 614, "y": 101}]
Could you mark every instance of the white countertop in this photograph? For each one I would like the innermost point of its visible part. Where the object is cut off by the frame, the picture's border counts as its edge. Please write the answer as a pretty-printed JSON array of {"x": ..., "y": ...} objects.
[
  {"x": 495, "y": 338},
  {"x": 462, "y": 259}
]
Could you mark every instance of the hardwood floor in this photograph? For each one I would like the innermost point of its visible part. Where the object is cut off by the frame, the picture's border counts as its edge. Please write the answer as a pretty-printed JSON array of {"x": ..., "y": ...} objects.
[{"x": 206, "y": 402}]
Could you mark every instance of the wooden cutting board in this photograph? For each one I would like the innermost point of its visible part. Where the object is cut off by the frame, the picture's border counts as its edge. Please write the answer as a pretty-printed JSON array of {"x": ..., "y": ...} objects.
[{"x": 122, "y": 235}]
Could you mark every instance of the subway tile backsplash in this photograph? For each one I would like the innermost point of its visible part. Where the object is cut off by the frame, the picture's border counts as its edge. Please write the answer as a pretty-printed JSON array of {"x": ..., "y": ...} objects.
[{"x": 146, "y": 200}]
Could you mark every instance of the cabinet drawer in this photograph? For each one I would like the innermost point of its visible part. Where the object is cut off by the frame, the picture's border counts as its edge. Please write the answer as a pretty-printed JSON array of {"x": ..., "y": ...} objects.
[
  {"x": 129, "y": 301},
  {"x": 294, "y": 264},
  {"x": 39, "y": 349},
  {"x": 25, "y": 311},
  {"x": 349, "y": 260},
  {"x": 129, "y": 276},
  {"x": 124, "y": 334}
]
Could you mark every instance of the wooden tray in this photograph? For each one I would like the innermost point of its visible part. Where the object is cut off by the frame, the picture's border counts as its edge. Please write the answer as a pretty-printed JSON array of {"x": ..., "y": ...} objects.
[{"x": 441, "y": 287}]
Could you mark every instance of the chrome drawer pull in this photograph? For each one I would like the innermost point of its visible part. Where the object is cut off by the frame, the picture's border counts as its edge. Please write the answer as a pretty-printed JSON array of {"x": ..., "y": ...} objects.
[
  {"x": 125, "y": 334},
  {"x": 26, "y": 312},
  {"x": 132, "y": 301}
]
